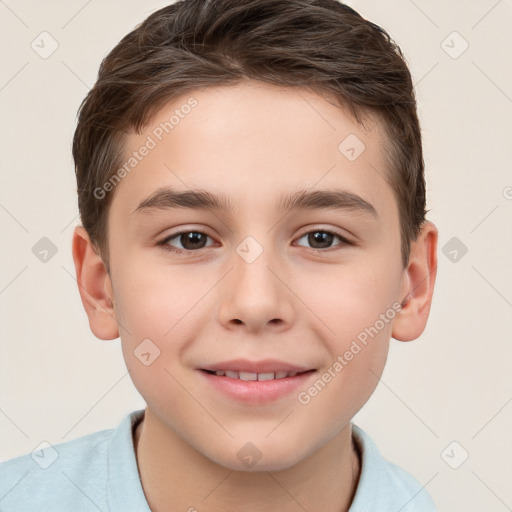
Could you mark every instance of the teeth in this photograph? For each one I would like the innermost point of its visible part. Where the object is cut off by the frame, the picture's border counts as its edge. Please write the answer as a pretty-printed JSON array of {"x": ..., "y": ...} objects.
[
  {"x": 247, "y": 376},
  {"x": 254, "y": 376}
]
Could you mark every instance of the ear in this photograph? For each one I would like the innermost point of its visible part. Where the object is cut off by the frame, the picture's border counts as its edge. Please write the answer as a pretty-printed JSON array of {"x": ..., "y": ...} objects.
[
  {"x": 94, "y": 286},
  {"x": 417, "y": 286}
]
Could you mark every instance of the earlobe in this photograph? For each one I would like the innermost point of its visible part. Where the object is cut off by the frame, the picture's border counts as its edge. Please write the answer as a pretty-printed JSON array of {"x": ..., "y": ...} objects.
[
  {"x": 94, "y": 286},
  {"x": 418, "y": 285}
]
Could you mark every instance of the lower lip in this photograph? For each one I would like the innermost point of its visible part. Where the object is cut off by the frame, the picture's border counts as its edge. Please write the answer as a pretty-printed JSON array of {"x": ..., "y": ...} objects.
[{"x": 257, "y": 391}]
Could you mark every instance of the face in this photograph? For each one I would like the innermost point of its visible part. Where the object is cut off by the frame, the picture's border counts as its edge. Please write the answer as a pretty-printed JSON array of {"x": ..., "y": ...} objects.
[{"x": 313, "y": 285}]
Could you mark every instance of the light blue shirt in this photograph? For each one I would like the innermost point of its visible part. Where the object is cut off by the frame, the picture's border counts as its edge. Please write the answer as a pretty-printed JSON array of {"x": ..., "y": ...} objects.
[{"x": 98, "y": 472}]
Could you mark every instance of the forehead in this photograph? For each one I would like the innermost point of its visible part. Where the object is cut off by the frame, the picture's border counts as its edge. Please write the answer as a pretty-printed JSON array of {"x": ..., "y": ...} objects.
[{"x": 254, "y": 143}]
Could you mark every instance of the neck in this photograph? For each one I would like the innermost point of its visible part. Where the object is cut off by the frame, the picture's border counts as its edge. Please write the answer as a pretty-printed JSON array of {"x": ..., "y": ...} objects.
[{"x": 173, "y": 472}]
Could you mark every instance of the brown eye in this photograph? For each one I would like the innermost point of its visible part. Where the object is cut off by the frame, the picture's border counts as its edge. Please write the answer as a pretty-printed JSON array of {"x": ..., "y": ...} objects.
[
  {"x": 189, "y": 241},
  {"x": 321, "y": 239}
]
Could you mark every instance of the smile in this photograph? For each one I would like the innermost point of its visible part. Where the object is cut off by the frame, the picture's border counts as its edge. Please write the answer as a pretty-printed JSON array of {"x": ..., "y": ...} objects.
[
  {"x": 255, "y": 388},
  {"x": 248, "y": 376}
]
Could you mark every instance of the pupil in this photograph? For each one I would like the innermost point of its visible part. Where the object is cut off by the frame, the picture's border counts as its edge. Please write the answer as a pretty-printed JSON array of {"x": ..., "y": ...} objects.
[
  {"x": 324, "y": 237},
  {"x": 189, "y": 239}
]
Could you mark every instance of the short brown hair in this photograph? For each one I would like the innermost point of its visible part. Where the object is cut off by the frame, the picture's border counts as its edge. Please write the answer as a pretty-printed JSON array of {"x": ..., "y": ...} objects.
[{"x": 319, "y": 45}]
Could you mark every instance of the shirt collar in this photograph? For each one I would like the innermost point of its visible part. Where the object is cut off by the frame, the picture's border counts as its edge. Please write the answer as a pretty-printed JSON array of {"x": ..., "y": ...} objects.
[
  {"x": 376, "y": 485},
  {"x": 383, "y": 485},
  {"x": 125, "y": 487}
]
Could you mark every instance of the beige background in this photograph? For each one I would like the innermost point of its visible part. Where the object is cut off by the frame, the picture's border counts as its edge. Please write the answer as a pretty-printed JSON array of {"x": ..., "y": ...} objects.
[{"x": 58, "y": 382}]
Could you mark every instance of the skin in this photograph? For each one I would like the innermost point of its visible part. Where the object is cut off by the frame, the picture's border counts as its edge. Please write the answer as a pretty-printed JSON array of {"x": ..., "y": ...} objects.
[{"x": 253, "y": 142}]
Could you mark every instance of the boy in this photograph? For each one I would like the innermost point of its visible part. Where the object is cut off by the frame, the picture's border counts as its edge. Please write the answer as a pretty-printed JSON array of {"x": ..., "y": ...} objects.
[{"x": 265, "y": 129}]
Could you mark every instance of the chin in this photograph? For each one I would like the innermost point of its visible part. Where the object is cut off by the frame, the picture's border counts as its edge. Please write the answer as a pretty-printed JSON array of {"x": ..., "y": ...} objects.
[{"x": 253, "y": 457}]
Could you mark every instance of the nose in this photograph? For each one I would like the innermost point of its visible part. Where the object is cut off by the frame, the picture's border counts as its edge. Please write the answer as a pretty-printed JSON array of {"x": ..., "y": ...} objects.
[{"x": 255, "y": 295}]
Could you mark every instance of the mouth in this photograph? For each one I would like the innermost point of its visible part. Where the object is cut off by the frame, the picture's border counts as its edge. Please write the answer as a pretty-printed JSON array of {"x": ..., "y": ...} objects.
[
  {"x": 255, "y": 383},
  {"x": 253, "y": 376}
]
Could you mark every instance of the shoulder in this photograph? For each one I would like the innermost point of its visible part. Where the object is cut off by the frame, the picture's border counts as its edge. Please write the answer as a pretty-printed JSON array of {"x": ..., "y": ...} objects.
[
  {"x": 55, "y": 474},
  {"x": 384, "y": 486},
  {"x": 75, "y": 475}
]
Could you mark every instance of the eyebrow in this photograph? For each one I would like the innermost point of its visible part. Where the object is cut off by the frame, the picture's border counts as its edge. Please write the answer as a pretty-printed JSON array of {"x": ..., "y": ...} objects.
[{"x": 167, "y": 198}]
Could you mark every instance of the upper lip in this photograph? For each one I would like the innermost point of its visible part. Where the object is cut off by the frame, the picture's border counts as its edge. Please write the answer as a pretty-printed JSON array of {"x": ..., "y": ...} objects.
[{"x": 263, "y": 366}]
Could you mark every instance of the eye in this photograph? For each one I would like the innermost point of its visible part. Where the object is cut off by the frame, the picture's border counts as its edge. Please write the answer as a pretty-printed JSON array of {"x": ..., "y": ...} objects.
[
  {"x": 322, "y": 239},
  {"x": 189, "y": 240},
  {"x": 194, "y": 240}
]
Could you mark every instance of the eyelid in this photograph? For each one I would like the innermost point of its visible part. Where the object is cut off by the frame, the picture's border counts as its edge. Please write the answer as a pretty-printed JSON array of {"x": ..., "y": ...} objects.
[
  {"x": 334, "y": 231},
  {"x": 163, "y": 241},
  {"x": 344, "y": 240}
]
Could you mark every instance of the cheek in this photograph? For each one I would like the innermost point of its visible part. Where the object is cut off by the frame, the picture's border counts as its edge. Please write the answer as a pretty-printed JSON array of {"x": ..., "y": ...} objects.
[
  {"x": 357, "y": 306},
  {"x": 158, "y": 304},
  {"x": 159, "y": 309},
  {"x": 352, "y": 299},
  {"x": 153, "y": 308}
]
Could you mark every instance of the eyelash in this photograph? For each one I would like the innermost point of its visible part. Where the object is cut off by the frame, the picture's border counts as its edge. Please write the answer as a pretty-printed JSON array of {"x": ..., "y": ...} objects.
[{"x": 165, "y": 245}]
